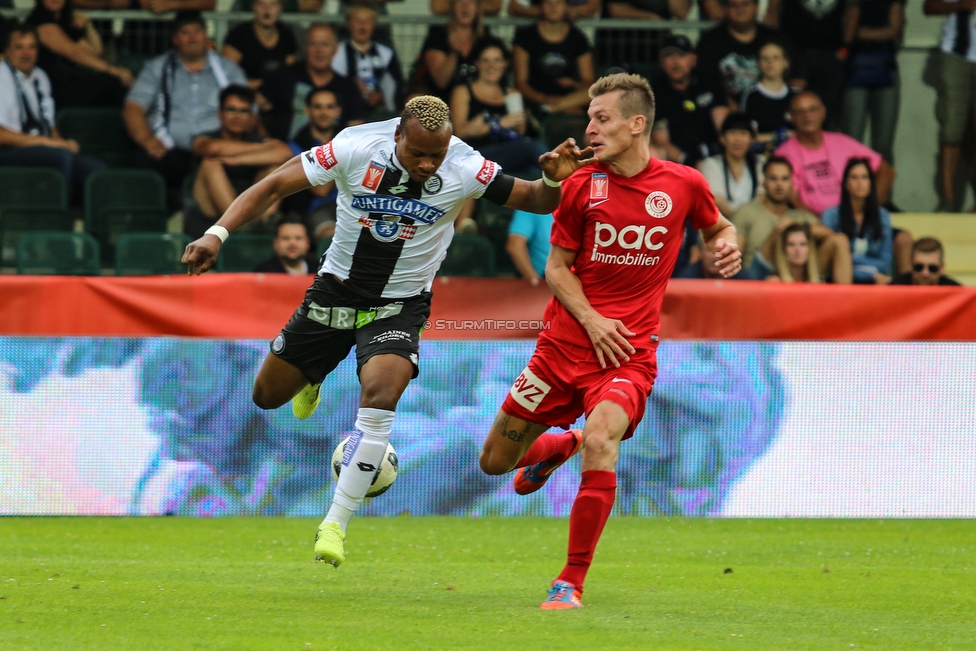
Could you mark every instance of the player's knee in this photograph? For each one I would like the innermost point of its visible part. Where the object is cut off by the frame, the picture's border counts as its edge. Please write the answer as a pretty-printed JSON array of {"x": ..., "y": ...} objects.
[
  {"x": 598, "y": 445},
  {"x": 264, "y": 397}
]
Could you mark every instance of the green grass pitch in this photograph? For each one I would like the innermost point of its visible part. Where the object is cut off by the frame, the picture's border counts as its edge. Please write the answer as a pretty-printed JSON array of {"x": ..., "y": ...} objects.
[{"x": 452, "y": 583}]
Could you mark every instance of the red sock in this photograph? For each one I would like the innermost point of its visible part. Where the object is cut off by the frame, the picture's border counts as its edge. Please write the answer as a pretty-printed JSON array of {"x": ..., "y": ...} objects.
[
  {"x": 592, "y": 507},
  {"x": 548, "y": 447}
]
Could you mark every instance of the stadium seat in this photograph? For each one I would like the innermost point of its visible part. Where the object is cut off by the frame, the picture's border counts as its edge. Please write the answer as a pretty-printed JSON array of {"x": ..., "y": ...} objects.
[
  {"x": 244, "y": 251},
  {"x": 124, "y": 201},
  {"x": 493, "y": 221},
  {"x": 31, "y": 199},
  {"x": 100, "y": 132},
  {"x": 324, "y": 244},
  {"x": 59, "y": 254},
  {"x": 559, "y": 126},
  {"x": 469, "y": 255},
  {"x": 148, "y": 254}
]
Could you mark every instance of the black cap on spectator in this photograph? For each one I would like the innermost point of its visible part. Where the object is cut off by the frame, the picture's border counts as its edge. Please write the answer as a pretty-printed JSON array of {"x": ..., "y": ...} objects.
[
  {"x": 676, "y": 43},
  {"x": 188, "y": 17}
]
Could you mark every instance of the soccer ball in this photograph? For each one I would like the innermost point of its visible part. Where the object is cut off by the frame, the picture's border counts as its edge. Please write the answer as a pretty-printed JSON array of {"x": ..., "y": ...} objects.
[{"x": 385, "y": 475}]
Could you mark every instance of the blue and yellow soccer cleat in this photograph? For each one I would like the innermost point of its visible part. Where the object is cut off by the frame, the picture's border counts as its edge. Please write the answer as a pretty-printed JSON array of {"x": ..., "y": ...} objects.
[
  {"x": 329, "y": 546},
  {"x": 532, "y": 478},
  {"x": 562, "y": 596},
  {"x": 307, "y": 401}
]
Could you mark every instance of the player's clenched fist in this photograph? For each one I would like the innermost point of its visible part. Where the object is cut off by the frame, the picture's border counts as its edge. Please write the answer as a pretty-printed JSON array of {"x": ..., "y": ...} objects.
[
  {"x": 201, "y": 255},
  {"x": 728, "y": 258}
]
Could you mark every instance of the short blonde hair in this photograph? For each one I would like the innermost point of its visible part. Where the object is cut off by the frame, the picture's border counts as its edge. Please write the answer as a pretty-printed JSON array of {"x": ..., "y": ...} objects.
[
  {"x": 432, "y": 113},
  {"x": 636, "y": 96}
]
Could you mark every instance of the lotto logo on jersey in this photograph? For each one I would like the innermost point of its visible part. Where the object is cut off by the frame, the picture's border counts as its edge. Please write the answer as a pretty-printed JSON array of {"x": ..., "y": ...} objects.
[
  {"x": 632, "y": 238},
  {"x": 529, "y": 390},
  {"x": 486, "y": 173},
  {"x": 599, "y": 188},
  {"x": 325, "y": 156},
  {"x": 374, "y": 173}
]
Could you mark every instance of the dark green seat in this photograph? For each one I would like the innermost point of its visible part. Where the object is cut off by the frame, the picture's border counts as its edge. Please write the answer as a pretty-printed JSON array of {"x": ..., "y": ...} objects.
[
  {"x": 100, "y": 132},
  {"x": 149, "y": 254},
  {"x": 469, "y": 255},
  {"x": 324, "y": 245},
  {"x": 243, "y": 251},
  {"x": 124, "y": 201},
  {"x": 59, "y": 254},
  {"x": 493, "y": 222},
  {"x": 32, "y": 199},
  {"x": 559, "y": 126}
]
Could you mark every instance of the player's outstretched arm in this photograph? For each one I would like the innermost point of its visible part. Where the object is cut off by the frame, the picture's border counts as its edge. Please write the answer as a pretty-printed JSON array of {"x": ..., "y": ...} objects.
[
  {"x": 540, "y": 196},
  {"x": 201, "y": 254},
  {"x": 608, "y": 336},
  {"x": 722, "y": 240}
]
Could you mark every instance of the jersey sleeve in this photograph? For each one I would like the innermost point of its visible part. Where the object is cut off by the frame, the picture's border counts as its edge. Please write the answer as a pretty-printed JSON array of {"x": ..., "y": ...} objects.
[
  {"x": 324, "y": 163},
  {"x": 477, "y": 172},
  {"x": 567, "y": 225},
  {"x": 704, "y": 212}
]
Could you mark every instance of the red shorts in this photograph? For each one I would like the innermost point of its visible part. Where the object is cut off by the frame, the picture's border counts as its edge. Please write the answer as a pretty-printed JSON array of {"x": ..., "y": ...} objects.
[{"x": 563, "y": 381}]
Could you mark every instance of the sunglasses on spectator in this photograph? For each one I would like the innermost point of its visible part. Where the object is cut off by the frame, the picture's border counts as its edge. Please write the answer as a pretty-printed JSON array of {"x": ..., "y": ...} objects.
[{"x": 919, "y": 268}]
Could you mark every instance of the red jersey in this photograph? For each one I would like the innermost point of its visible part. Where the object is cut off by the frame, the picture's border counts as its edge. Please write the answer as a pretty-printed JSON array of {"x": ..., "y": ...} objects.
[{"x": 626, "y": 232}]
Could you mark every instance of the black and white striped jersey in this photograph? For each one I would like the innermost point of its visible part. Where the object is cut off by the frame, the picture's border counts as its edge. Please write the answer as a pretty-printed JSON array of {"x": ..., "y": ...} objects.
[{"x": 392, "y": 232}]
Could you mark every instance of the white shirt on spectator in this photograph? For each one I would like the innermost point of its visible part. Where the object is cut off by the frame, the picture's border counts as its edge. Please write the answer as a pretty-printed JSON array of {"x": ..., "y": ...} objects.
[
  {"x": 12, "y": 114},
  {"x": 738, "y": 192}
]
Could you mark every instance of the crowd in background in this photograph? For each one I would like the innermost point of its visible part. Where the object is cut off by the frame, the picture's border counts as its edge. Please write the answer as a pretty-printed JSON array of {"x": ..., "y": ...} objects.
[{"x": 771, "y": 109}]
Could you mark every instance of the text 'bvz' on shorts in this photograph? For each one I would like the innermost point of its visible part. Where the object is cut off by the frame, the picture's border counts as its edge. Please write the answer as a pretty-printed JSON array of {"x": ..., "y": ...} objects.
[{"x": 332, "y": 319}]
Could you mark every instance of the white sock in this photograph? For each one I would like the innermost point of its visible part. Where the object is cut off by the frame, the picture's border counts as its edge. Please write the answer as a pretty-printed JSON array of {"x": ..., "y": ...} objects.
[{"x": 363, "y": 455}]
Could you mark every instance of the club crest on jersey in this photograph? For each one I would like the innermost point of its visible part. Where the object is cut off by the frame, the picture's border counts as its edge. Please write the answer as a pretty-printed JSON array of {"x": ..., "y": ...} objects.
[
  {"x": 325, "y": 156},
  {"x": 658, "y": 204},
  {"x": 599, "y": 188},
  {"x": 433, "y": 185},
  {"x": 374, "y": 174}
]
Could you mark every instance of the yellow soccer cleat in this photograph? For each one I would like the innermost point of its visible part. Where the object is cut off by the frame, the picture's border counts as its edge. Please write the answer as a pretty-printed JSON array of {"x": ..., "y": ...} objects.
[
  {"x": 307, "y": 401},
  {"x": 329, "y": 546}
]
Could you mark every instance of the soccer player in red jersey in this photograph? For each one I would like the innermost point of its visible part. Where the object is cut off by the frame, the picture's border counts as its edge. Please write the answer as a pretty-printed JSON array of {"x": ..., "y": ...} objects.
[{"x": 615, "y": 240}]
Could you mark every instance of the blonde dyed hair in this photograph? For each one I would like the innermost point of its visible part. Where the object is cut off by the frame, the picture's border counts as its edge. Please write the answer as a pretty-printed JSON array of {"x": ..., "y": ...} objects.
[
  {"x": 432, "y": 113},
  {"x": 636, "y": 96}
]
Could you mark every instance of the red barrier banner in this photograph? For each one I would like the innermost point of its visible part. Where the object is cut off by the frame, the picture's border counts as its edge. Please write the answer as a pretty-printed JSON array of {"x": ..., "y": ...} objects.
[{"x": 256, "y": 306}]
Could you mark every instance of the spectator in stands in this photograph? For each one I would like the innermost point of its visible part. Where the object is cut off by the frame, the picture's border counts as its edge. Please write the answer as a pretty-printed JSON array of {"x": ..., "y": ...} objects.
[
  {"x": 866, "y": 224},
  {"x": 71, "y": 54},
  {"x": 262, "y": 46},
  {"x": 735, "y": 175},
  {"x": 873, "y": 85},
  {"x": 176, "y": 97},
  {"x": 957, "y": 92},
  {"x": 481, "y": 116},
  {"x": 705, "y": 268},
  {"x": 728, "y": 54},
  {"x": 815, "y": 31},
  {"x": 819, "y": 156},
  {"x": 528, "y": 244},
  {"x": 760, "y": 224},
  {"x": 285, "y": 92},
  {"x": 928, "y": 262},
  {"x": 767, "y": 104},
  {"x": 445, "y": 7},
  {"x": 291, "y": 247},
  {"x": 234, "y": 157},
  {"x": 28, "y": 136},
  {"x": 687, "y": 115},
  {"x": 796, "y": 256},
  {"x": 446, "y": 57},
  {"x": 373, "y": 66},
  {"x": 317, "y": 205},
  {"x": 553, "y": 62},
  {"x": 576, "y": 9},
  {"x": 635, "y": 49}
]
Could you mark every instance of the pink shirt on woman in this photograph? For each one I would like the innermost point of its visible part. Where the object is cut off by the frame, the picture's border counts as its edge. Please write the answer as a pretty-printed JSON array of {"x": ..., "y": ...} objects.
[{"x": 818, "y": 173}]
